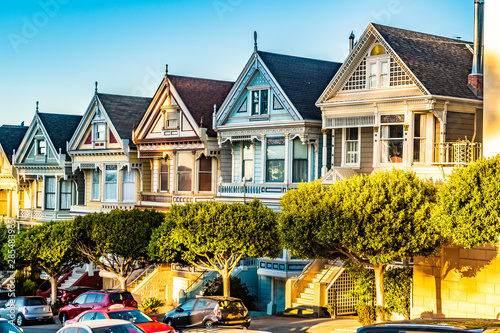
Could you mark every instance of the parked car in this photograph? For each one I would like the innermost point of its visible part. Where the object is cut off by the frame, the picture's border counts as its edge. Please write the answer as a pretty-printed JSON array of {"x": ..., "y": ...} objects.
[
  {"x": 95, "y": 299},
  {"x": 209, "y": 311},
  {"x": 438, "y": 325},
  {"x": 70, "y": 293},
  {"x": 102, "y": 326},
  {"x": 117, "y": 311},
  {"x": 5, "y": 326},
  {"x": 27, "y": 308}
]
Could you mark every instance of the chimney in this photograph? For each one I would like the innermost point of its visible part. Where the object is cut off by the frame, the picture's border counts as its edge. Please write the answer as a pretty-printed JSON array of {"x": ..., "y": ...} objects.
[
  {"x": 351, "y": 41},
  {"x": 475, "y": 81}
]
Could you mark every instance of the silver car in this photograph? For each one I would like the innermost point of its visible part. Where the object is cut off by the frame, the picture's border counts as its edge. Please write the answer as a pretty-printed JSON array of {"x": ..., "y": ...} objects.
[{"x": 26, "y": 308}]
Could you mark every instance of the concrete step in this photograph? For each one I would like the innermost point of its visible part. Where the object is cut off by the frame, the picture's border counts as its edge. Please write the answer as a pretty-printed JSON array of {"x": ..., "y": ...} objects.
[
  {"x": 305, "y": 301},
  {"x": 306, "y": 296}
]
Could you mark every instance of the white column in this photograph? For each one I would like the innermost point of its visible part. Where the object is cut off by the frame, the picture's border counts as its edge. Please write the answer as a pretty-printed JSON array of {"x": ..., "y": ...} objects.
[
  {"x": 43, "y": 192},
  {"x": 375, "y": 146},
  {"x": 263, "y": 151},
  {"x": 333, "y": 148},
  {"x": 287, "y": 158},
  {"x": 58, "y": 195},
  {"x": 324, "y": 169}
]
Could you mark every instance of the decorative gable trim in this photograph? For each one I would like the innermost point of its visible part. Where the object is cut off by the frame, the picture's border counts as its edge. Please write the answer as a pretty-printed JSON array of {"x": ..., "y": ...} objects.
[
  {"x": 352, "y": 62},
  {"x": 255, "y": 64}
]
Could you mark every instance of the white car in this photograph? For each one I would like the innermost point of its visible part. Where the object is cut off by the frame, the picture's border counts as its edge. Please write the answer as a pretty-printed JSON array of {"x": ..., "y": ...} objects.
[{"x": 102, "y": 326}]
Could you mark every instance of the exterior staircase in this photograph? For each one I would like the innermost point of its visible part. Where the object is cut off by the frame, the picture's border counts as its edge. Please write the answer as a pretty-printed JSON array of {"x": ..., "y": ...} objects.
[
  {"x": 75, "y": 276},
  {"x": 141, "y": 277},
  {"x": 306, "y": 297}
]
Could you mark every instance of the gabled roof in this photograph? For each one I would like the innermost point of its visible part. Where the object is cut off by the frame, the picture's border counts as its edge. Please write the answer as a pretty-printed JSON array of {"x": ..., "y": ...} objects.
[
  {"x": 124, "y": 111},
  {"x": 200, "y": 96},
  {"x": 60, "y": 128},
  {"x": 11, "y": 137},
  {"x": 441, "y": 64},
  {"x": 302, "y": 79}
]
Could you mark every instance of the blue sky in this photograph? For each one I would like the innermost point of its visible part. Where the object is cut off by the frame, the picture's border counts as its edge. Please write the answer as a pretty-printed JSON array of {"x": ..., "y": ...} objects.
[{"x": 54, "y": 50}]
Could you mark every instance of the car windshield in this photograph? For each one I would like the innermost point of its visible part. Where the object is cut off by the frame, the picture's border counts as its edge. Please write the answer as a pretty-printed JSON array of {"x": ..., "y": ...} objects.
[
  {"x": 120, "y": 297},
  {"x": 127, "y": 328},
  {"x": 35, "y": 301},
  {"x": 135, "y": 316},
  {"x": 6, "y": 327},
  {"x": 230, "y": 305}
]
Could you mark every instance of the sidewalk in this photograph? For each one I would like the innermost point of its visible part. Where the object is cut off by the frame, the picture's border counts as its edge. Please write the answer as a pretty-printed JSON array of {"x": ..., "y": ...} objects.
[{"x": 278, "y": 324}]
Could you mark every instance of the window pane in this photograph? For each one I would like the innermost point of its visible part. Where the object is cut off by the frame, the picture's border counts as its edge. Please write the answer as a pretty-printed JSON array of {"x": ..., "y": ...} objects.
[
  {"x": 50, "y": 193},
  {"x": 384, "y": 80},
  {"x": 276, "y": 148},
  {"x": 352, "y": 134},
  {"x": 184, "y": 162},
  {"x": 263, "y": 102},
  {"x": 373, "y": 81},
  {"x": 299, "y": 170},
  {"x": 277, "y": 104},
  {"x": 299, "y": 149},
  {"x": 352, "y": 152},
  {"x": 392, "y": 151},
  {"x": 111, "y": 176},
  {"x": 205, "y": 164},
  {"x": 384, "y": 67},
  {"x": 248, "y": 170},
  {"x": 184, "y": 182},
  {"x": 392, "y": 131},
  {"x": 275, "y": 170},
  {"x": 65, "y": 194},
  {"x": 95, "y": 184},
  {"x": 243, "y": 107},
  {"x": 128, "y": 186},
  {"x": 164, "y": 179},
  {"x": 111, "y": 191},
  {"x": 205, "y": 182},
  {"x": 255, "y": 102},
  {"x": 373, "y": 68}
]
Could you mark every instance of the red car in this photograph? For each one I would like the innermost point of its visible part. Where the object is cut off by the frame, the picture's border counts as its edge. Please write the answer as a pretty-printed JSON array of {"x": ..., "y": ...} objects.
[
  {"x": 96, "y": 299},
  {"x": 70, "y": 293},
  {"x": 139, "y": 318}
]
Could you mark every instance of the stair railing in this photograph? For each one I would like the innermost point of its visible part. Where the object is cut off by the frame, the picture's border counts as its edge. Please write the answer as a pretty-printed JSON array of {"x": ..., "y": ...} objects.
[
  {"x": 302, "y": 275},
  {"x": 193, "y": 283},
  {"x": 143, "y": 274},
  {"x": 326, "y": 273}
]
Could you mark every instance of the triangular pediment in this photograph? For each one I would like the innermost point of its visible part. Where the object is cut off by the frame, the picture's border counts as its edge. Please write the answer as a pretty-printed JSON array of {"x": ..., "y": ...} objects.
[
  {"x": 96, "y": 131},
  {"x": 373, "y": 67},
  {"x": 238, "y": 106},
  {"x": 37, "y": 147},
  {"x": 167, "y": 117}
]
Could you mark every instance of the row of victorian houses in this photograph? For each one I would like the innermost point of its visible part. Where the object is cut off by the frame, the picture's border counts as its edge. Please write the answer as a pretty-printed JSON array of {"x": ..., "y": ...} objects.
[{"x": 400, "y": 99}]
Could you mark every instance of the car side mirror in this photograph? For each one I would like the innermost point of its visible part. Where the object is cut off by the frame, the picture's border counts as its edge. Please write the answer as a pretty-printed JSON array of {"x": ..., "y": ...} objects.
[{"x": 179, "y": 310}]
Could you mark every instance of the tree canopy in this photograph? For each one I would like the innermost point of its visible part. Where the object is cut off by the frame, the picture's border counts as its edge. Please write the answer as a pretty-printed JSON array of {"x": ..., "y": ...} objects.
[
  {"x": 469, "y": 204},
  {"x": 371, "y": 220},
  {"x": 117, "y": 242},
  {"x": 215, "y": 236},
  {"x": 50, "y": 247}
]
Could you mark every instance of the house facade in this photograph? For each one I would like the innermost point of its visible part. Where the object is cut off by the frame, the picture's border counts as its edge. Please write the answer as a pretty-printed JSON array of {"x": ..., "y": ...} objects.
[
  {"x": 176, "y": 143},
  {"x": 47, "y": 186},
  {"x": 10, "y": 194},
  {"x": 270, "y": 130},
  {"x": 401, "y": 99},
  {"x": 102, "y": 150}
]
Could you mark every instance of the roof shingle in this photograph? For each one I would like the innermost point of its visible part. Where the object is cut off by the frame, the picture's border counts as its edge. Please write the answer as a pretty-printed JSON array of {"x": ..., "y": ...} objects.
[
  {"x": 11, "y": 137},
  {"x": 60, "y": 128}
]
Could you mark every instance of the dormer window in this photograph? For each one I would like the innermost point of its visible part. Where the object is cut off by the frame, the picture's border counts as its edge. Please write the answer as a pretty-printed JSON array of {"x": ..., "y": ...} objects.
[
  {"x": 378, "y": 68},
  {"x": 260, "y": 102},
  {"x": 171, "y": 119},
  {"x": 100, "y": 132},
  {"x": 41, "y": 147}
]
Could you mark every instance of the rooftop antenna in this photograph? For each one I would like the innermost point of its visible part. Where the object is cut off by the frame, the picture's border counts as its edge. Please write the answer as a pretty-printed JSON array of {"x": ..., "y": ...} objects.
[
  {"x": 36, "y": 106},
  {"x": 255, "y": 41}
]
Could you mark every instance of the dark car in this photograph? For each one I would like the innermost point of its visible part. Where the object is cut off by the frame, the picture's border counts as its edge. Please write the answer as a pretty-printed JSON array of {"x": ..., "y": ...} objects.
[
  {"x": 209, "y": 311},
  {"x": 95, "y": 299},
  {"x": 70, "y": 293},
  {"x": 438, "y": 325}
]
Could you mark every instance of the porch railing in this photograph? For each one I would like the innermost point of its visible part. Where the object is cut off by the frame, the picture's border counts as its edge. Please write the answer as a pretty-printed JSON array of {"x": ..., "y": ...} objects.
[
  {"x": 457, "y": 153},
  {"x": 251, "y": 189}
]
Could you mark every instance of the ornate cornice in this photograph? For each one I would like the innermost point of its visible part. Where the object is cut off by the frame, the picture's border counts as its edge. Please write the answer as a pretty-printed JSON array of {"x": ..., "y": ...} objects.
[{"x": 171, "y": 146}]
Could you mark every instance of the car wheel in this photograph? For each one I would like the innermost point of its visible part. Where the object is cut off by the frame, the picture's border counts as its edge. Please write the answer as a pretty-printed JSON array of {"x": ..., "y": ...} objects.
[
  {"x": 209, "y": 324},
  {"x": 64, "y": 317},
  {"x": 169, "y": 322},
  {"x": 20, "y": 320}
]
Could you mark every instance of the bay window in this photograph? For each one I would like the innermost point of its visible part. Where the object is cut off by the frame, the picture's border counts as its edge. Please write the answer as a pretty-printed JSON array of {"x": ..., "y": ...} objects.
[
  {"x": 95, "y": 185},
  {"x": 128, "y": 188},
  {"x": 260, "y": 102},
  {"x": 111, "y": 183},
  {"x": 391, "y": 138},
  {"x": 66, "y": 195},
  {"x": 50, "y": 192},
  {"x": 299, "y": 165},
  {"x": 184, "y": 171},
  {"x": 247, "y": 170},
  {"x": 275, "y": 160},
  {"x": 205, "y": 175},
  {"x": 164, "y": 170},
  {"x": 419, "y": 138},
  {"x": 351, "y": 146}
]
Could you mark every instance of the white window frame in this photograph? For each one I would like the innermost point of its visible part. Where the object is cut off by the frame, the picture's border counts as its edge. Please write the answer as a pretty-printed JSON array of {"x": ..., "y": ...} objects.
[
  {"x": 381, "y": 139},
  {"x": 377, "y": 60},
  {"x": 259, "y": 89},
  {"x": 178, "y": 173},
  {"x": 422, "y": 137},
  {"x": 93, "y": 195},
  {"x": 175, "y": 112},
  {"x": 252, "y": 154},
  {"x": 131, "y": 181},
  {"x": 39, "y": 147},
  {"x": 168, "y": 162},
  {"x": 115, "y": 199},
  {"x": 63, "y": 194},
  {"x": 344, "y": 148},
  {"x": 98, "y": 142}
]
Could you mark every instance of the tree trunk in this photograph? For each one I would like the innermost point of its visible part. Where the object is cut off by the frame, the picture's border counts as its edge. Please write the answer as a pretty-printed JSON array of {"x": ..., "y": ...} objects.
[
  {"x": 53, "y": 289},
  {"x": 123, "y": 282},
  {"x": 379, "y": 287},
  {"x": 226, "y": 284}
]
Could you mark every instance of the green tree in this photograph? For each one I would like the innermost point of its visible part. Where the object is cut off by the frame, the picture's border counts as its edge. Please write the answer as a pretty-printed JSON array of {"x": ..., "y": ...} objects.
[
  {"x": 49, "y": 247},
  {"x": 397, "y": 286},
  {"x": 370, "y": 220},
  {"x": 216, "y": 236},
  {"x": 117, "y": 242},
  {"x": 215, "y": 287},
  {"x": 469, "y": 204}
]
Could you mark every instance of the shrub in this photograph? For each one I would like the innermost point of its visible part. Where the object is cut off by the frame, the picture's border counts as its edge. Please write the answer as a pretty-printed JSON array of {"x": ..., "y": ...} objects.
[
  {"x": 397, "y": 283},
  {"x": 151, "y": 304}
]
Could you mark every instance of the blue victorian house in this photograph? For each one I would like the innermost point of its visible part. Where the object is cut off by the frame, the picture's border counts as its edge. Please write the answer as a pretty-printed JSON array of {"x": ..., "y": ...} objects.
[{"x": 270, "y": 130}]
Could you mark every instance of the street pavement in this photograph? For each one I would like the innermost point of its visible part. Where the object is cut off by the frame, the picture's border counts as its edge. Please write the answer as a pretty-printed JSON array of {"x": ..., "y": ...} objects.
[{"x": 273, "y": 324}]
